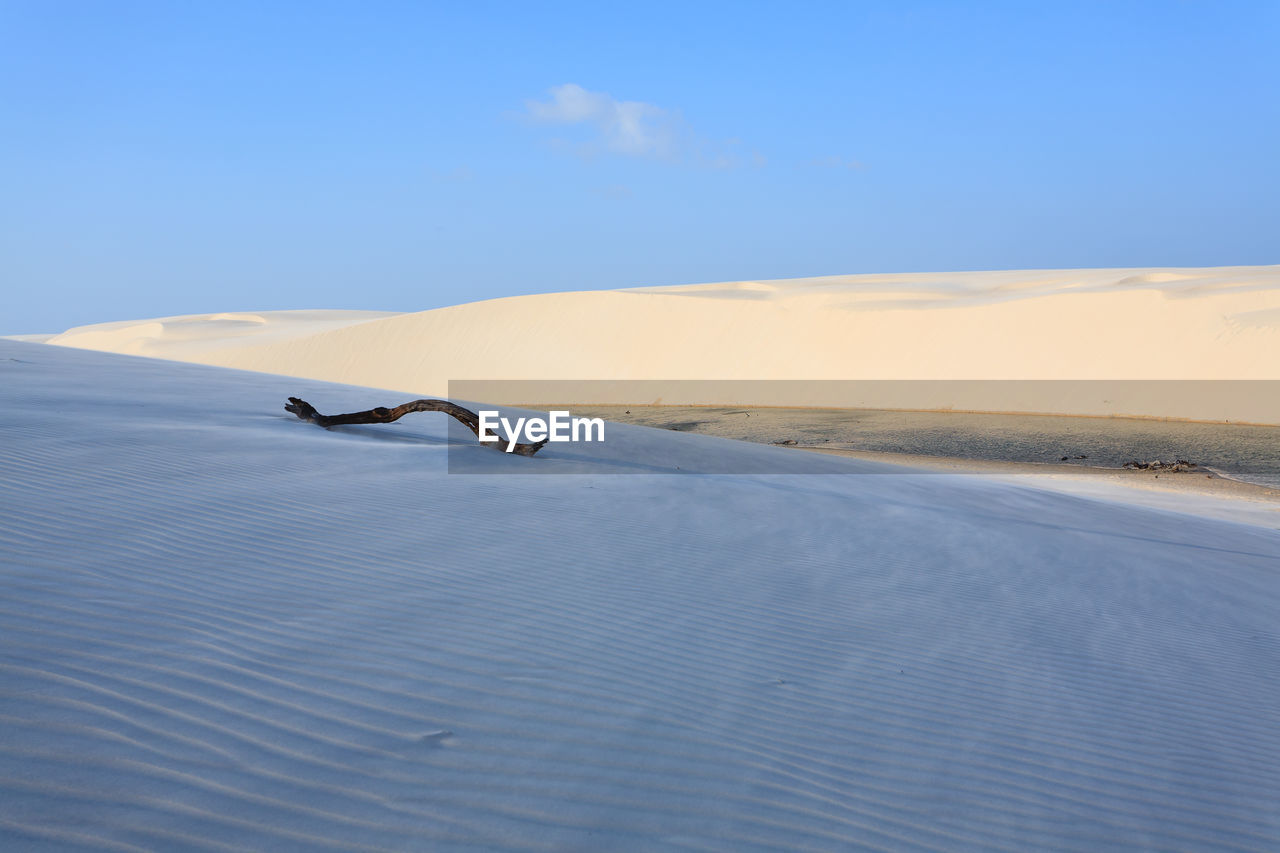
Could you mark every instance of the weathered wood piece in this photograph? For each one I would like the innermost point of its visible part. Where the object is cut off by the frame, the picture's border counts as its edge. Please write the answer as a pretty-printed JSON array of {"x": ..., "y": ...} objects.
[{"x": 381, "y": 415}]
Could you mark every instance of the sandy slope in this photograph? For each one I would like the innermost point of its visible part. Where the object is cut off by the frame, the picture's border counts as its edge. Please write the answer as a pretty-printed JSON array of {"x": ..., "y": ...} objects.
[
  {"x": 1173, "y": 324},
  {"x": 223, "y": 628}
]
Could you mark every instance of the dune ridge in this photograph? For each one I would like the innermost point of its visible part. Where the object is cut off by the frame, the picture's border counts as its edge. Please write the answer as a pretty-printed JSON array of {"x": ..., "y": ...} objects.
[{"x": 1220, "y": 323}]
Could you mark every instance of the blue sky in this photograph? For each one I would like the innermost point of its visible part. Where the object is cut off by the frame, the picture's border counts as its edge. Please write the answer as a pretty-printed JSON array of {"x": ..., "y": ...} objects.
[{"x": 173, "y": 158}]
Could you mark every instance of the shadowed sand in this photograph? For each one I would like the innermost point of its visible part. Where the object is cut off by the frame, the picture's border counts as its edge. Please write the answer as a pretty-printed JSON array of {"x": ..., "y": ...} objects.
[{"x": 223, "y": 628}]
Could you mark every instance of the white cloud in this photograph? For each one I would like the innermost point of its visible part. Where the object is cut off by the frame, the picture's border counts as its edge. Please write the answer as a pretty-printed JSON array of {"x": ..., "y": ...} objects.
[{"x": 633, "y": 128}]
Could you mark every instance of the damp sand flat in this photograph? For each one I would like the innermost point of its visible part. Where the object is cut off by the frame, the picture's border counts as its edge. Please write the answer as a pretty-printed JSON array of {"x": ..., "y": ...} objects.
[
  {"x": 1243, "y": 461},
  {"x": 1243, "y": 452}
]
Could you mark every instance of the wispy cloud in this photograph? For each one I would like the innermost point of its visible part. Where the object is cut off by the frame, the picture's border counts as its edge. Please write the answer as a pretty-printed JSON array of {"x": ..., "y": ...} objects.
[{"x": 632, "y": 129}]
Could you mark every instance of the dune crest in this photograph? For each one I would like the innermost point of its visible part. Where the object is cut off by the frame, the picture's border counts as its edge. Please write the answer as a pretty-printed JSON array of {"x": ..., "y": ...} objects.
[
  {"x": 206, "y": 338},
  {"x": 1134, "y": 324}
]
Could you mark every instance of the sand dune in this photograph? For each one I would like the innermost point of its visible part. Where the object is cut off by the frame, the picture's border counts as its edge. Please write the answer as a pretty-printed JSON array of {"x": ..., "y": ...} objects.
[
  {"x": 223, "y": 628},
  {"x": 1158, "y": 324},
  {"x": 208, "y": 338}
]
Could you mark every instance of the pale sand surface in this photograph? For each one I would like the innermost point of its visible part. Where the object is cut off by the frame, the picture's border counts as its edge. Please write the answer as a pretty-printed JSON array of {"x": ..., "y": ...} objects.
[
  {"x": 1219, "y": 323},
  {"x": 223, "y": 628},
  {"x": 208, "y": 338},
  {"x": 31, "y": 339}
]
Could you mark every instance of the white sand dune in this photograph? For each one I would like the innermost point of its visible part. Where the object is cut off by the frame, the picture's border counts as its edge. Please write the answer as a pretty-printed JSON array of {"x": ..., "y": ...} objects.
[
  {"x": 222, "y": 628},
  {"x": 209, "y": 338},
  {"x": 1220, "y": 323}
]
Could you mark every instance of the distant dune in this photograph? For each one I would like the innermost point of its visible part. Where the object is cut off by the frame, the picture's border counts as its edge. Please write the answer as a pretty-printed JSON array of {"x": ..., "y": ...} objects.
[{"x": 1220, "y": 323}]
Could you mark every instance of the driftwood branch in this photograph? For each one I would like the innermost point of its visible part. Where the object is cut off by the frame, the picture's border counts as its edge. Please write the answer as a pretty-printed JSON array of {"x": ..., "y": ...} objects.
[{"x": 380, "y": 415}]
